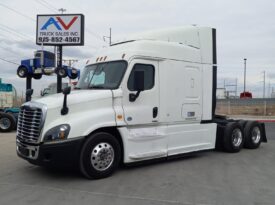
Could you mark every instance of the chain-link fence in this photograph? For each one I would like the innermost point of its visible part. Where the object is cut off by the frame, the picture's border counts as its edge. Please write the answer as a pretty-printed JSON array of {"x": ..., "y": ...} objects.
[{"x": 259, "y": 106}]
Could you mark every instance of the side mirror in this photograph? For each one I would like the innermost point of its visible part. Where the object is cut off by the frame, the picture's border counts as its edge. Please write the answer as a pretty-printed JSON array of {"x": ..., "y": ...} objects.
[
  {"x": 138, "y": 85},
  {"x": 66, "y": 91}
]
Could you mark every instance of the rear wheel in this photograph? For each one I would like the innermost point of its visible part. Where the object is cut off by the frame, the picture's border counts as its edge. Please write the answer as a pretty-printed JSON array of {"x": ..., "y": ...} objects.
[
  {"x": 100, "y": 156},
  {"x": 7, "y": 122},
  {"x": 233, "y": 137},
  {"x": 242, "y": 123},
  {"x": 253, "y": 135}
]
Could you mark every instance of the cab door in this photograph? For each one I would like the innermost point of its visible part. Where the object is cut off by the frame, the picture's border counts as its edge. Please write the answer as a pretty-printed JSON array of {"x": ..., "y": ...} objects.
[{"x": 144, "y": 110}]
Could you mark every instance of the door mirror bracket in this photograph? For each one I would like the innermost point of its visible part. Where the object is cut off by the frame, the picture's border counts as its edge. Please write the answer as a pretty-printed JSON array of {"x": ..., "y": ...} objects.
[{"x": 133, "y": 96}]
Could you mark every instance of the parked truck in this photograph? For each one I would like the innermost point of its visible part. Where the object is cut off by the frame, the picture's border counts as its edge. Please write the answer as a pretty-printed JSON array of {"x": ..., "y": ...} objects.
[
  {"x": 8, "y": 114},
  {"x": 152, "y": 96}
]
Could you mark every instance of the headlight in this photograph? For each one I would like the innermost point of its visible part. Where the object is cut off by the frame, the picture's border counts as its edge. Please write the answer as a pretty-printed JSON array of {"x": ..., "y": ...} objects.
[{"x": 57, "y": 133}]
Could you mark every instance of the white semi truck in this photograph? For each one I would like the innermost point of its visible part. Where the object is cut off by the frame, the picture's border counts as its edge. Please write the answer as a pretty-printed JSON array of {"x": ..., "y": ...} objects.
[{"x": 151, "y": 96}]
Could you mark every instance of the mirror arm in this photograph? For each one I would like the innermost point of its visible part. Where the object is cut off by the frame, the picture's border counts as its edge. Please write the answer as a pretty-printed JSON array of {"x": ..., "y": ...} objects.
[
  {"x": 65, "y": 109},
  {"x": 133, "y": 97}
]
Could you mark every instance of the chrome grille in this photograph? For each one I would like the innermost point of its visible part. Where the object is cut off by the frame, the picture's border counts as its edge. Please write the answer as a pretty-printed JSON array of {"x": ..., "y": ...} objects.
[{"x": 29, "y": 124}]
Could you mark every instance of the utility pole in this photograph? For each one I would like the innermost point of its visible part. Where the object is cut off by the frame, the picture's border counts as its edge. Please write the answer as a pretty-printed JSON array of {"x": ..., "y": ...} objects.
[
  {"x": 269, "y": 93},
  {"x": 62, "y": 10},
  {"x": 244, "y": 75},
  {"x": 110, "y": 37},
  {"x": 59, "y": 65},
  {"x": 70, "y": 61},
  {"x": 229, "y": 87},
  {"x": 236, "y": 88},
  {"x": 110, "y": 42},
  {"x": 264, "y": 85},
  {"x": 59, "y": 52}
]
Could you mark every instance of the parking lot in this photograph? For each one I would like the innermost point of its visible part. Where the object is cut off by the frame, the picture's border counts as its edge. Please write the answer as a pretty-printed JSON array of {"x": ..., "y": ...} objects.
[{"x": 206, "y": 178}]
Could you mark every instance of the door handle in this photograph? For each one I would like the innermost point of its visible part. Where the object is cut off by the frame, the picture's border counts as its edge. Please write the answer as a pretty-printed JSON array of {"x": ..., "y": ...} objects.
[{"x": 155, "y": 112}]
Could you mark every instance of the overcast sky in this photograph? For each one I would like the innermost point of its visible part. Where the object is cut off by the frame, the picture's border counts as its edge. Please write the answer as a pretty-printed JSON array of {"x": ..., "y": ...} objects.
[{"x": 245, "y": 29}]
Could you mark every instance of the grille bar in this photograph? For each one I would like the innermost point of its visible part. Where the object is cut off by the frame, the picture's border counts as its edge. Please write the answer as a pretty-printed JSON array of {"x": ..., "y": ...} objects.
[{"x": 29, "y": 124}]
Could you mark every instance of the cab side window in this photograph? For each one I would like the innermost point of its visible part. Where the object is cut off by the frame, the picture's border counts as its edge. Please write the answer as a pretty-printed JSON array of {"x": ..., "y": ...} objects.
[{"x": 149, "y": 76}]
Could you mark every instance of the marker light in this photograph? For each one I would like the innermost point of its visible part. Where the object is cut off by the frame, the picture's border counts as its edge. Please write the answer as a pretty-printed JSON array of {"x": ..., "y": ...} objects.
[{"x": 119, "y": 117}]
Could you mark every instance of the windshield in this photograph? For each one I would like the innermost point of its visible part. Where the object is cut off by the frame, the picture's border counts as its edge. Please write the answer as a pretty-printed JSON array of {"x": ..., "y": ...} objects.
[{"x": 102, "y": 76}]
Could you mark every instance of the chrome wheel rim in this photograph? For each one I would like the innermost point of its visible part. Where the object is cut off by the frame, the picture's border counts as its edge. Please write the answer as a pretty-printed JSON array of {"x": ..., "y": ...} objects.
[
  {"x": 62, "y": 72},
  {"x": 256, "y": 135},
  {"x": 102, "y": 156},
  {"x": 237, "y": 137},
  {"x": 21, "y": 73},
  {"x": 5, "y": 123}
]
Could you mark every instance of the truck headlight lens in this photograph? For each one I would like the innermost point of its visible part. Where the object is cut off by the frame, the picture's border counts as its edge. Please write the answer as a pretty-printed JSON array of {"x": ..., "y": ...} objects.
[{"x": 57, "y": 133}]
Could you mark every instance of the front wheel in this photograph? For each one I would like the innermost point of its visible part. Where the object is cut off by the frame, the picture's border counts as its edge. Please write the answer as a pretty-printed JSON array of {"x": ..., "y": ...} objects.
[
  {"x": 22, "y": 71},
  {"x": 100, "y": 156}
]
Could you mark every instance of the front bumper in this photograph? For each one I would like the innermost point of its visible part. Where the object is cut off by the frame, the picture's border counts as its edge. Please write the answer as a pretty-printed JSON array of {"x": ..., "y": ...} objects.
[{"x": 52, "y": 154}]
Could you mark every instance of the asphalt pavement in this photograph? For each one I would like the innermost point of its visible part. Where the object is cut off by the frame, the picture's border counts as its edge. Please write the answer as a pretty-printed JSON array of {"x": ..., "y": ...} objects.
[{"x": 206, "y": 178}]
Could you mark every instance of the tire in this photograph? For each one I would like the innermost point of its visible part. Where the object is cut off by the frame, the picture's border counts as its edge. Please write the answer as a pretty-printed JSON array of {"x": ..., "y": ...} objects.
[
  {"x": 233, "y": 138},
  {"x": 37, "y": 76},
  {"x": 7, "y": 122},
  {"x": 61, "y": 72},
  {"x": 91, "y": 164},
  {"x": 242, "y": 123},
  {"x": 22, "y": 72},
  {"x": 253, "y": 135},
  {"x": 74, "y": 74}
]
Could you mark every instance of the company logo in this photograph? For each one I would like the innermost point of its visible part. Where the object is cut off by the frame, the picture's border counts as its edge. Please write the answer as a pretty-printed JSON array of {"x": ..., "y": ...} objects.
[{"x": 58, "y": 23}]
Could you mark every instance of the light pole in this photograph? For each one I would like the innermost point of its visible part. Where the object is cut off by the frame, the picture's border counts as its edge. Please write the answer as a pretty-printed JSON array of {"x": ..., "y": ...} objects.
[
  {"x": 264, "y": 85},
  {"x": 244, "y": 81}
]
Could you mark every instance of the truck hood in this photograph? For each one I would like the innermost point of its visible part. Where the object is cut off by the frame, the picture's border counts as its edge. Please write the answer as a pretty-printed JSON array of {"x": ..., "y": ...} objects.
[{"x": 75, "y": 97}]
